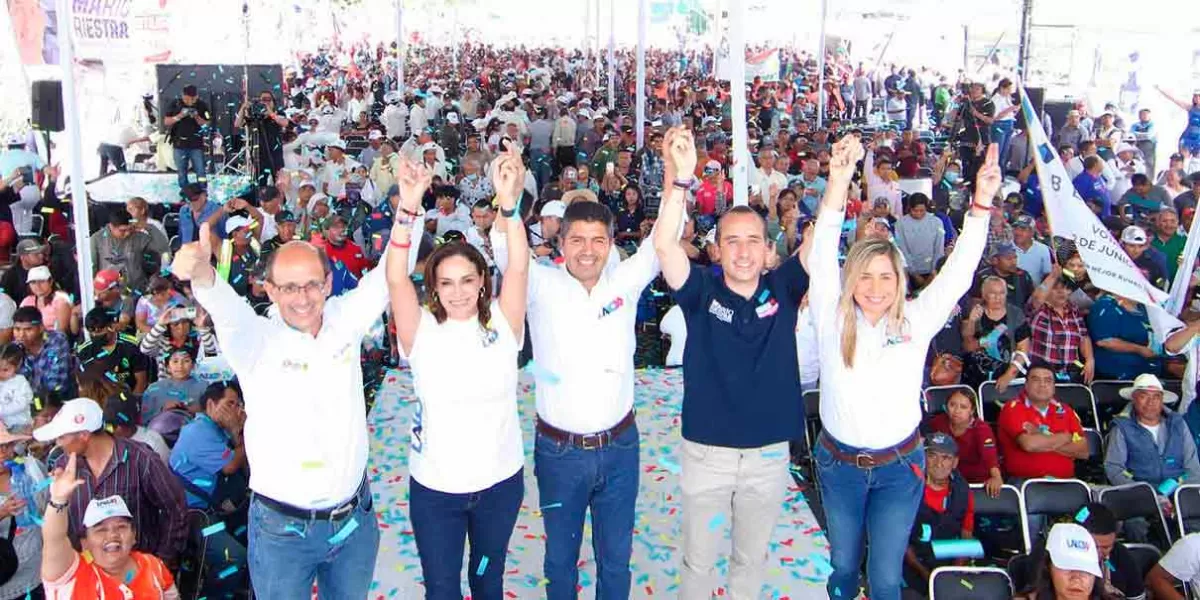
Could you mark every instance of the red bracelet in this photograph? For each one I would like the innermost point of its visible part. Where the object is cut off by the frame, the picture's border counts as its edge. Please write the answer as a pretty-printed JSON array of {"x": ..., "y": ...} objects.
[
  {"x": 393, "y": 244},
  {"x": 983, "y": 206}
]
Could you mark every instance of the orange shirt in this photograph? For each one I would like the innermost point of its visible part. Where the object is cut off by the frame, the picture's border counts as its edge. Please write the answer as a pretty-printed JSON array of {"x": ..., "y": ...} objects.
[
  {"x": 85, "y": 581},
  {"x": 1059, "y": 418}
]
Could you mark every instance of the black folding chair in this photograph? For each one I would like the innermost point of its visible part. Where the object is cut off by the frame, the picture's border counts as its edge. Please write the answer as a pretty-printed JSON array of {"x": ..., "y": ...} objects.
[
  {"x": 1109, "y": 403},
  {"x": 977, "y": 583},
  {"x": 1091, "y": 469},
  {"x": 991, "y": 401},
  {"x": 1020, "y": 569},
  {"x": 812, "y": 416},
  {"x": 1079, "y": 398},
  {"x": 1145, "y": 555},
  {"x": 1048, "y": 499},
  {"x": 1187, "y": 508},
  {"x": 193, "y": 566},
  {"x": 935, "y": 397},
  {"x": 1138, "y": 500},
  {"x": 998, "y": 522}
]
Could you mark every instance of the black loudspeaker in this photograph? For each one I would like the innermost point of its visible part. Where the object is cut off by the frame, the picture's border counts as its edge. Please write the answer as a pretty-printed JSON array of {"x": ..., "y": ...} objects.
[{"x": 47, "y": 106}]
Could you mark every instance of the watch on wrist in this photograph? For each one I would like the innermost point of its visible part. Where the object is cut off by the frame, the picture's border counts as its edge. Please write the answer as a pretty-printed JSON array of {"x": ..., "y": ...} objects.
[
  {"x": 683, "y": 184},
  {"x": 58, "y": 507},
  {"x": 508, "y": 213}
]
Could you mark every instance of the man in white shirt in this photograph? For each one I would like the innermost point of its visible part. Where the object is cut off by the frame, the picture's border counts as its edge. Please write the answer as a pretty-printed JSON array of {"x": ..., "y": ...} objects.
[
  {"x": 1032, "y": 256},
  {"x": 766, "y": 177},
  {"x": 418, "y": 119},
  {"x": 1180, "y": 565},
  {"x": 395, "y": 116},
  {"x": 336, "y": 170},
  {"x": 305, "y": 434},
  {"x": 586, "y": 453}
]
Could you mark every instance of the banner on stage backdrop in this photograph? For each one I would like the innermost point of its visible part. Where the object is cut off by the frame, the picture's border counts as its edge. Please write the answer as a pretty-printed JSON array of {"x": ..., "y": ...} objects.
[
  {"x": 1108, "y": 265},
  {"x": 763, "y": 64},
  {"x": 103, "y": 30}
]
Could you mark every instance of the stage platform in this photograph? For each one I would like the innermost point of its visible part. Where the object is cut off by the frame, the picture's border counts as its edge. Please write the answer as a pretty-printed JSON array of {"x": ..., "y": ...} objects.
[{"x": 799, "y": 550}]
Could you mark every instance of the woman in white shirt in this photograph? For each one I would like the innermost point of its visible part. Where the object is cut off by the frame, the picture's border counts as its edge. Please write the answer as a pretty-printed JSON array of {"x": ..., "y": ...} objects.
[
  {"x": 463, "y": 348},
  {"x": 1005, "y": 115},
  {"x": 872, "y": 345}
]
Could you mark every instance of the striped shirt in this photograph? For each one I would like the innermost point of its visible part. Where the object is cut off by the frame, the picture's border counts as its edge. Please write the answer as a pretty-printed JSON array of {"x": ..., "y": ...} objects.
[
  {"x": 136, "y": 474},
  {"x": 157, "y": 343}
]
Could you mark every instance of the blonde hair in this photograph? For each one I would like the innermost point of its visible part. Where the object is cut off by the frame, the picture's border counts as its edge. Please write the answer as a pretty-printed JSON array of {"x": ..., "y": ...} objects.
[{"x": 861, "y": 254}]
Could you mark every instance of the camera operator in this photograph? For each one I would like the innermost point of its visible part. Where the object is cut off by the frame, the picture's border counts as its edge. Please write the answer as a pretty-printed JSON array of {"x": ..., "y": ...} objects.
[
  {"x": 266, "y": 136},
  {"x": 976, "y": 112},
  {"x": 185, "y": 121}
]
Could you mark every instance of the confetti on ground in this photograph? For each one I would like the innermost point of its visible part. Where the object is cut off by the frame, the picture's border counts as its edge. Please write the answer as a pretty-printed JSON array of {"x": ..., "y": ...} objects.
[{"x": 798, "y": 563}]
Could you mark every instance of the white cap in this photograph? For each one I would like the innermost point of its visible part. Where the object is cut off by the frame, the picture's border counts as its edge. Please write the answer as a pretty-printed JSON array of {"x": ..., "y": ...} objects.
[
  {"x": 375, "y": 135},
  {"x": 584, "y": 113},
  {"x": 1125, "y": 148},
  {"x": 38, "y": 273},
  {"x": 1148, "y": 381},
  {"x": 1072, "y": 549},
  {"x": 554, "y": 208},
  {"x": 102, "y": 509},
  {"x": 80, "y": 414},
  {"x": 233, "y": 223},
  {"x": 1133, "y": 235},
  {"x": 429, "y": 146},
  {"x": 339, "y": 143},
  {"x": 393, "y": 97}
]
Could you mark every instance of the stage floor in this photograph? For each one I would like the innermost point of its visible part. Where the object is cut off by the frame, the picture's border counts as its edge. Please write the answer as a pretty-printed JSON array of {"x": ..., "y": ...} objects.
[{"x": 799, "y": 550}]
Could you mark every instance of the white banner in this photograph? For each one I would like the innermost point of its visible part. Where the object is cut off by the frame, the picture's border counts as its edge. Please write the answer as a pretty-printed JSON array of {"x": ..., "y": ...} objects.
[
  {"x": 1108, "y": 266},
  {"x": 1183, "y": 277}
]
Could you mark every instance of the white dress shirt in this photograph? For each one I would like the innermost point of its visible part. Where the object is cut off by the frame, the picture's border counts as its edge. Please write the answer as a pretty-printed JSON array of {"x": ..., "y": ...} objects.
[
  {"x": 306, "y": 429},
  {"x": 584, "y": 340},
  {"x": 877, "y": 403}
]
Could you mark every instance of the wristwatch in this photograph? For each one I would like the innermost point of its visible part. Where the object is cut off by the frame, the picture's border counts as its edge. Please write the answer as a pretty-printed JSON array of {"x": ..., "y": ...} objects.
[
  {"x": 508, "y": 213},
  {"x": 56, "y": 506}
]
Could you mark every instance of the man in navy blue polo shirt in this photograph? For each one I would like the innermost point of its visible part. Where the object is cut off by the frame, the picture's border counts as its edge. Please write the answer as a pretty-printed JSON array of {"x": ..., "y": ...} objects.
[{"x": 741, "y": 401}]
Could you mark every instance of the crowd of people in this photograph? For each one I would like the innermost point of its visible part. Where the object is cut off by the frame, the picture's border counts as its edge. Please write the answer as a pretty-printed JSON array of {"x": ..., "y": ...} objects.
[{"x": 208, "y": 433}]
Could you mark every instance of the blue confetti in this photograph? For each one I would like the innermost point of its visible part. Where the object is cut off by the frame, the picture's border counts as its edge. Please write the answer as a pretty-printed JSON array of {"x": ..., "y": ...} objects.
[
  {"x": 1082, "y": 515},
  {"x": 717, "y": 521},
  {"x": 230, "y": 570},
  {"x": 212, "y": 529},
  {"x": 483, "y": 562},
  {"x": 542, "y": 375},
  {"x": 345, "y": 532},
  {"x": 926, "y": 532}
]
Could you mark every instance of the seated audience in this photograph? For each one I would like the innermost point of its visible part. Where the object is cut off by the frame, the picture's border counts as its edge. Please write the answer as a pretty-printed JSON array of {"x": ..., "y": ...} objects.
[
  {"x": 1059, "y": 336},
  {"x": 55, "y": 305},
  {"x": 113, "y": 466},
  {"x": 16, "y": 397},
  {"x": 993, "y": 333},
  {"x": 160, "y": 297},
  {"x": 121, "y": 419},
  {"x": 947, "y": 511},
  {"x": 1039, "y": 436},
  {"x": 178, "y": 388},
  {"x": 48, "y": 357},
  {"x": 1121, "y": 574},
  {"x": 111, "y": 354},
  {"x": 977, "y": 459},
  {"x": 179, "y": 327},
  {"x": 1068, "y": 568}
]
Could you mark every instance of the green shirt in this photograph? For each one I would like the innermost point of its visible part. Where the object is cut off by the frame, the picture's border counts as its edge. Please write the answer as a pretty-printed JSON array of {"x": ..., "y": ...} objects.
[{"x": 1171, "y": 248}]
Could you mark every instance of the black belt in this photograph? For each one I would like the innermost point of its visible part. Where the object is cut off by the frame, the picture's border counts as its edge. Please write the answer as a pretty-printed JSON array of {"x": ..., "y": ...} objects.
[
  {"x": 332, "y": 513},
  {"x": 866, "y": 459},
  {"x": 587, "y": 441}
]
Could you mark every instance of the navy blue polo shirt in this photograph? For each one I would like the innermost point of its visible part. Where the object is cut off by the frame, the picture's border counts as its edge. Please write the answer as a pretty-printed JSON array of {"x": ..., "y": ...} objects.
[{"x": 741, "y": 380}]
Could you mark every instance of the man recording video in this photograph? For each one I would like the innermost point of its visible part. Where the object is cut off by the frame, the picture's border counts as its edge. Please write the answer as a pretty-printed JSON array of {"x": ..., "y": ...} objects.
[
  {"x": 185, "y": 121},
  {"x": 976, "y": 114},
  {"x": 264, "y": 136}
]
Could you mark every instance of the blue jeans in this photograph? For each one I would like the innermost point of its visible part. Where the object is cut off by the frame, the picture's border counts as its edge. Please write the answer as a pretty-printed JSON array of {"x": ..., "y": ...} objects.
[
  {"x": 876, "y": 504},
  {"x": 114, "y": 155},
  {"x": 443, "y": 523},
  {"x": 570, "y": 480},
  {"x": 286, "y": 553},
  {"x": 189, "y": 158},
  {"x": 1002, "y": 132}
]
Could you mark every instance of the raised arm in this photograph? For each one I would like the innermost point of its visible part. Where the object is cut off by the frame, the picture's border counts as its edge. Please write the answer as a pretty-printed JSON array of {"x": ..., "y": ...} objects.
[
  {"x": 679, "y": 156},
  {"x": 508, "y": 179},
  {"x": 931, "y": 308},
  {"x": 824, "y": 271},
  {"x": 233, "y": 318},
  {"x": 1176, "y": 101},
  {"x": 413, "y": 180},
  {"x": 57, "y": 553}
]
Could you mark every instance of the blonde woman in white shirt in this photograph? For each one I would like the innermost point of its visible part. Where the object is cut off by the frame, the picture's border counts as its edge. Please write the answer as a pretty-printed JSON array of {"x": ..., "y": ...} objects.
[
  {"x": 458, "y": 494},
  {"x": 872, "y": 343}
]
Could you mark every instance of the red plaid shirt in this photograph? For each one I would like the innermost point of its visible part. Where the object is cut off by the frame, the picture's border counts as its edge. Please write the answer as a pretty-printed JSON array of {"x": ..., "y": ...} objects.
[{"x": 1057, "y": 337}]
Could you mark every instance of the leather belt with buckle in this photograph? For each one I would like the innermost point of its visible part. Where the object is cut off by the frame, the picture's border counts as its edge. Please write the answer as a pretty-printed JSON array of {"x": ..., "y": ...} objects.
[
  {"x": 587, "y": 441},
  {"x": 332, "y": 513},
  {"x": 867, "y": 459}
]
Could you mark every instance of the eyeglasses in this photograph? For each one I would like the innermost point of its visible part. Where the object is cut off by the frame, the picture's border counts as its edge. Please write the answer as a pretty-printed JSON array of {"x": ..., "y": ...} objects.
[{"x": 291, "y": 289}]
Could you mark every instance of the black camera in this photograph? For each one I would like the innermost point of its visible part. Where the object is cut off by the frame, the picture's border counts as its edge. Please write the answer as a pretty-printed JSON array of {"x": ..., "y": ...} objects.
[{"x": 257, "y": 110}]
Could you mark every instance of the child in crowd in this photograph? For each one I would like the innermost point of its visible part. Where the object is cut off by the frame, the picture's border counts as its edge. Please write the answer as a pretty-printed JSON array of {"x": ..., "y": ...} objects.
[
  {"x": 16, "y": 396},
  {"x": 179, "y": 389}
]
